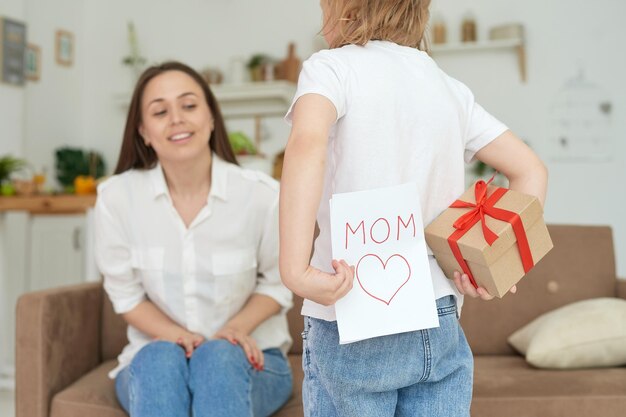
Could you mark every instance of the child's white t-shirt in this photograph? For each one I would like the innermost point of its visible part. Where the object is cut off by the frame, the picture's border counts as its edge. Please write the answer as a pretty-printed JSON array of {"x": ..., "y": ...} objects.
[{"x": 399, "y": 119}]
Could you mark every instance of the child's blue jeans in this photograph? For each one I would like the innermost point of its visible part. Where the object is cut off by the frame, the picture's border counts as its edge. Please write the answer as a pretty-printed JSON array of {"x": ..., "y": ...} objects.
[
  {"x": 424, "y": 373},
  {"x": 217, "y": 380}
]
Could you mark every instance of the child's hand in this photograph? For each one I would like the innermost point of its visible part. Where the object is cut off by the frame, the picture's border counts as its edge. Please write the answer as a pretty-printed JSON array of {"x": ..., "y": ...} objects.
[
  {"x": 247, "y": 343},
  {"x": 324, "y": 288},
  {"x": 464, "y": 286}
]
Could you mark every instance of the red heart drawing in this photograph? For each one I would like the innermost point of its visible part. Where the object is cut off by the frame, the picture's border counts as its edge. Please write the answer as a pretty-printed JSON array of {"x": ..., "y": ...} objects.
[{"x": 374, "y": 280}]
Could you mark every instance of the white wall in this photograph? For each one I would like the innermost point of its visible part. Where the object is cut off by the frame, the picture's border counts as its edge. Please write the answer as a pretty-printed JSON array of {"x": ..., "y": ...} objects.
[
  {"x": 78, "y": 105},
  {"x": 54, "y": 110},
  {"x": 563, "y": 36},
  {"x": 200, "y": 33},
  {"x": 46, "y": 114}
]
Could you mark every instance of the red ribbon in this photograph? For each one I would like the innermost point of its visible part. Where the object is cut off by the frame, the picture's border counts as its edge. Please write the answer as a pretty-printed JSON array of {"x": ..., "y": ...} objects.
[{"x": 485, "y": 207}]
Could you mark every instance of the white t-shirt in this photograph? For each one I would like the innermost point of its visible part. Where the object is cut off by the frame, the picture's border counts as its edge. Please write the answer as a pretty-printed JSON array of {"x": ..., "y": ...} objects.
[
  {"x": 199, "y": 276},
  {"x": 400, "y": 119}
]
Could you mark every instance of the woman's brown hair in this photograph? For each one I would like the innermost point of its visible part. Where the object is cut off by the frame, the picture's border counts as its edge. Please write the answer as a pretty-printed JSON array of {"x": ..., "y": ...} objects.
[
  {"x": 134, "y": 152},
  {"x": 359, "y": 21}
]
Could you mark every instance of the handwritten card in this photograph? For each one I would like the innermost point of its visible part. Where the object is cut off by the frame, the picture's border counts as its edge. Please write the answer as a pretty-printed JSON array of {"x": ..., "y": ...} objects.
[{"x": 381, "y": 233}]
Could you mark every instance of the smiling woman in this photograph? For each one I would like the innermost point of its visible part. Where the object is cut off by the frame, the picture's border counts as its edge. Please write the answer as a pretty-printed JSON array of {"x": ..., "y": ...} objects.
[
  {"x": 136, "y": 151},
  {"x": 187, "y": 242}
]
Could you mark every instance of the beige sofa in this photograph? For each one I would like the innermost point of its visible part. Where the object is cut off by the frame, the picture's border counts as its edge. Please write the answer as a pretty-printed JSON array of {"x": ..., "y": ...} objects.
[{"x": 68, "y": 338}]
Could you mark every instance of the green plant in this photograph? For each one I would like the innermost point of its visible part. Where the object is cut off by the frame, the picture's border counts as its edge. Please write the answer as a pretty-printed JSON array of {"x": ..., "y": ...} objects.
[
  {"x": 481, "y": 169},
  {"x": 257, "y": 60},
  {"x": 134, "y": 59},
  {"x": 72, "y": 162},
  {"x": 241, "y": 144},
  {"x": 8, "y": 165}
]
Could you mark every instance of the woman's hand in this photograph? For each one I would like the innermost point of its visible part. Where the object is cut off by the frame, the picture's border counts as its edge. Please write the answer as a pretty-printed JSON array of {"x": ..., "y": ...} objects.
[
  {"x": 464, "y": 285},
  {"x": 247, "y": 343},
  {"x": 324, "y": 288},
  {"x": 187, "y": 340}
]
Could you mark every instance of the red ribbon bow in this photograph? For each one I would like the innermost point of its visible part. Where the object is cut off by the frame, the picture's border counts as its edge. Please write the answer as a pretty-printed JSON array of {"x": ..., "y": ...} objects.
[{"x": 484, "y": 206}]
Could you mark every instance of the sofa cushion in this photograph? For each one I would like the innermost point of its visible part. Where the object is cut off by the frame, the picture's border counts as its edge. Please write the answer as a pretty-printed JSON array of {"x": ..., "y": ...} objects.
[
  {"x": 509, "y": 386},
  {"x": 581, "y": 266},
  {"x": 94, "y": 395},
  {"x": 585, "y": 334}
]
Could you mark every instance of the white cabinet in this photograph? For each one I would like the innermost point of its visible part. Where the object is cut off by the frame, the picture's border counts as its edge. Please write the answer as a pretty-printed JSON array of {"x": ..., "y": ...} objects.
[
  {"x": 38, "y": 251},
  {"x": 56, "y": 250}
]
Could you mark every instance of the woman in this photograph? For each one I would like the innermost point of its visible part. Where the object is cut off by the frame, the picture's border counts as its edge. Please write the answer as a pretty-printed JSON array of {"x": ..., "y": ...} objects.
[{"x": 187, "y": 243}]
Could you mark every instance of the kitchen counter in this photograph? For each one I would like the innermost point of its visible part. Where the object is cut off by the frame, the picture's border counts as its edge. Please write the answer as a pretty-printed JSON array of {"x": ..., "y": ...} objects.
[{"x": 49, "y": 204}]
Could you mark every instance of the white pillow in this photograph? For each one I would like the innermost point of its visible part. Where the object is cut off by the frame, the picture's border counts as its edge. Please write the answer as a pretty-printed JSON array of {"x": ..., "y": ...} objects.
[{"x": 584, "y": 334}]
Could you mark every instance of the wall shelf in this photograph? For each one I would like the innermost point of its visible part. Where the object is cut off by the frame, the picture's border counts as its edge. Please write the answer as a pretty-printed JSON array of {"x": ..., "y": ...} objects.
[
  {"x": 515, "y": 44},
  {"x": 246, "y": 100},
  {"x": 255, "y": 99}
]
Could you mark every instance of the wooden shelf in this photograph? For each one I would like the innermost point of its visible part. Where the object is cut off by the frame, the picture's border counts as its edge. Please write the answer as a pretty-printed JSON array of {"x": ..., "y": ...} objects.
[
  {"x": 246, "y": 100},
  {"x": 48, "y": 204},
  {"x": 477, "y": 46},
  {"x": 258, "y": 99},
  {"x": 514, "y": 44}
]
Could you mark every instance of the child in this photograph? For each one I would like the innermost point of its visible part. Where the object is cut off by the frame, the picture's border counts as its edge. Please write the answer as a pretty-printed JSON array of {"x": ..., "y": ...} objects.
[{"x": 375, "y": 111}]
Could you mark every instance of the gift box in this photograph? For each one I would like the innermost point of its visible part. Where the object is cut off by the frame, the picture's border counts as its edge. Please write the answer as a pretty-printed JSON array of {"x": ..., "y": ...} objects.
[{"x": 493, "y": 234}]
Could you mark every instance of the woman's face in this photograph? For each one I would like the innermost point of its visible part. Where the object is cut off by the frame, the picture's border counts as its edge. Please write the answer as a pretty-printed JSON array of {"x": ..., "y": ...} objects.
[{"x": 176, "y": 119}]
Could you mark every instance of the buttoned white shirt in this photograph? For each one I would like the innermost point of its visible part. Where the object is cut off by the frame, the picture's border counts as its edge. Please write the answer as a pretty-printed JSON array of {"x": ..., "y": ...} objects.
[{"x": 199, "y": 276}]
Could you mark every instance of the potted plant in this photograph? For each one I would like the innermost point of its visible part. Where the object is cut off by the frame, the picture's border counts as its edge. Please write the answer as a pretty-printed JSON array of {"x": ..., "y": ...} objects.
[
  {"x": 255, "y": 66},
  {"x": 9, "y": 165},
  {"x": 77, "y": 170}
]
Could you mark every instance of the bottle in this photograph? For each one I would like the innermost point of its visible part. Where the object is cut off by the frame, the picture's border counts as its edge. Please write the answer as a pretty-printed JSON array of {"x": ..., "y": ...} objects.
[
  {"x": 468, "y": 28},
  {"x": 439, "y": 30}
]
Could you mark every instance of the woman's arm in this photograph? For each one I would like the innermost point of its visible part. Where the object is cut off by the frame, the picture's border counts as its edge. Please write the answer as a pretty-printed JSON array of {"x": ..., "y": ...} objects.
[
  {"x": 301, "y": 190},
  {"x": 149, "y": 319},
  {"x": 237, "y": 330}
]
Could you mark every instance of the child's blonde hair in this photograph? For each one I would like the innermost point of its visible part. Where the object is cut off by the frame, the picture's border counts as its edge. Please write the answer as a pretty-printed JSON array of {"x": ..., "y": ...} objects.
[{"x": 359, "y": 21}]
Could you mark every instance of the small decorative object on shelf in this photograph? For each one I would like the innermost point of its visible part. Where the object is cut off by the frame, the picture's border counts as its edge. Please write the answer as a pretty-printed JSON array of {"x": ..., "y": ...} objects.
[
  {"x": 237, "y": 73},
  {"x": 9, "y": 165},
  {"x": 212, "y": 76},
  {"x": 468, "y": 28},
  {"x": 134, "y": 59},
  {"x": 256, "y": 65},
  {"x": 72, "y": 163},
  {"x": 277, "y": 168},
  {"x": 289, "y": 68},
  {"x": 439, "y": 30}
]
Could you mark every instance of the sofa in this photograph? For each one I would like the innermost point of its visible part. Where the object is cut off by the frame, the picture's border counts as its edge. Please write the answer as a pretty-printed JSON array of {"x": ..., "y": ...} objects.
[{"x": 68, "y": 338}]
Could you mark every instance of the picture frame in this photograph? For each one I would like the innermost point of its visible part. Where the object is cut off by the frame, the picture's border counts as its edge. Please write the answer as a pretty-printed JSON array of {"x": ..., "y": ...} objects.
[
  {"x": 32, "y": 62},
  {"x": 12, "y": 49},
  {"x": 64, "y": 47}
]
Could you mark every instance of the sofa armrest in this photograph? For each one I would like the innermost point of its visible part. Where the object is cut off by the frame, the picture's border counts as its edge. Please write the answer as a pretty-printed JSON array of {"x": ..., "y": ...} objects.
[
  {"x": 57, "y": 341},
  {"x": 621, "y": 288}
]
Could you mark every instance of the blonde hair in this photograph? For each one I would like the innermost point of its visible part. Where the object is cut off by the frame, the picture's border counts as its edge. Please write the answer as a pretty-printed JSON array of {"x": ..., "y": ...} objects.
[{"x": 359, "y": 21}]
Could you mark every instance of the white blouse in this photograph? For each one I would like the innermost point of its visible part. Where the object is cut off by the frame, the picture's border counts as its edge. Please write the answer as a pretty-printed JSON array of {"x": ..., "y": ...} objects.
[{"x": 199, "y": 276}]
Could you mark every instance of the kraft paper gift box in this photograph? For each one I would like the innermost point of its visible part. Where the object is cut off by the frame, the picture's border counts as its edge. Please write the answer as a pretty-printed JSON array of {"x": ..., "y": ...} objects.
[{"x": 495, "y": 241}]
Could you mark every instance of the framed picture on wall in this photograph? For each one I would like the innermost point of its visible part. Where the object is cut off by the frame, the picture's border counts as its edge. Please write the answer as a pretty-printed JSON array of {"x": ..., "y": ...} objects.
[
  {"x": 32, "y": 63},
  {"x": 12, "y": 48},
  {"x": 64, "y": 48}
]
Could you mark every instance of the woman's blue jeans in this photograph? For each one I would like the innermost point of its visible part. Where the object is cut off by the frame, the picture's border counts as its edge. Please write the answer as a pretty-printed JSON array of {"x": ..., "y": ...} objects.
[
  {"x": 217, "y": 380},
  {"x": 427, "y": 373}
]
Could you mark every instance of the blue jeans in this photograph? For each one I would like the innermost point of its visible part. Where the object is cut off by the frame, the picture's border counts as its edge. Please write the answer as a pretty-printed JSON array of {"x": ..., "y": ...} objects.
[
  {"x": 424, "y": 373},
  {"x": 217, "y": 380}
]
